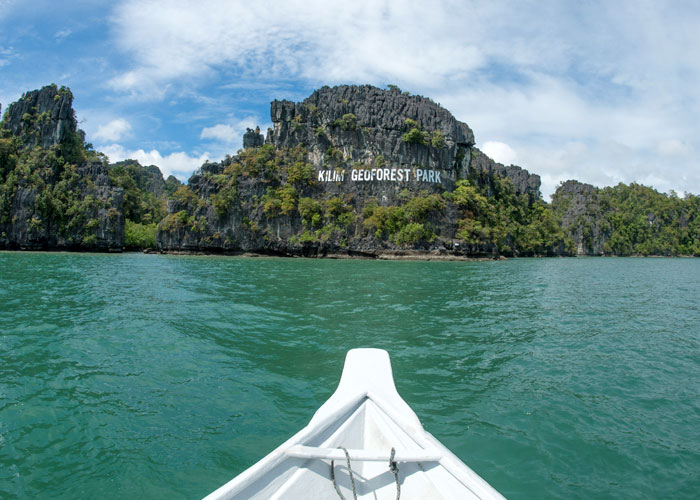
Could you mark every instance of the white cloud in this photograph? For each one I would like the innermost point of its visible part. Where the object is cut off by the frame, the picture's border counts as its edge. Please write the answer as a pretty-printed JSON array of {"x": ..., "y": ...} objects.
[
  {"x": 229, "y": 134},
  {"x": 5, "y": 6},
  {"x": 179, "y": 164},
  {"x": 324, "y": 42},
  {"x": 113, "y": 131},
  {"x": 220, "y": 132},
  {"x": 607, "y": 163},
  {"x": 499, "y": 151},
  {"x": 6, "y": 53}
]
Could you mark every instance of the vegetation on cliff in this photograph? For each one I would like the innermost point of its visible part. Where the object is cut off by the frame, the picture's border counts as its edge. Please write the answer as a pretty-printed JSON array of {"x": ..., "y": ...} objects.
[
  {"x": 514, "y": 223},
  {"x": 56, "y": 191},
  {"x": 51, "y": 190},
  {"x": 628, "y": 220},
  {"x": 145, "y": 195},
  {"x": 265, "y": 190},
  {"x": 290, "y": 193}
]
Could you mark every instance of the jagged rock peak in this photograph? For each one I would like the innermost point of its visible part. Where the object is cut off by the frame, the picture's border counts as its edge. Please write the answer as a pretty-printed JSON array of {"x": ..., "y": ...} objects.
[
  {"x": 42, "y": 117},
  {"x": 253, "y": 138},
  {"x": 375, "y": 108},
  {"x": 523, "y": 181},
  {"x": 575, "y": 187},
  {"x": 371, "y": 126}
]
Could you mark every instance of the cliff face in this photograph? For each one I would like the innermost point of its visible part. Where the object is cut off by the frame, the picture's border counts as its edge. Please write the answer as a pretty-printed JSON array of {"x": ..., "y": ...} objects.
[
  {"x": 579, "y": 208},
  {"x": 628, "y": 220},
  {"x": 367, "y": 126},
  {"x": 352, "y": 170},
  {"x": 366, "y": 123},
  {"x": 146, "y": 178},
  {"x": 36, "y": 222},
  {"x": 42, "y": 117},
  {"x": 54, "y": 194}
]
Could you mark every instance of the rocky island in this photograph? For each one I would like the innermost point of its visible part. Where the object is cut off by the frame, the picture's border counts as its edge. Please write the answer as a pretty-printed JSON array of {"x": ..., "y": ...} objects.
[
  {"x": 54, "y": 193},
  {"x": 353, "y": 171}
]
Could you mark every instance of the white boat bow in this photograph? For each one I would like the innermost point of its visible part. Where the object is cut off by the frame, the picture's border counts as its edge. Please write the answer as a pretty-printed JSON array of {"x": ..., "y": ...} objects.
[{"x": 366, "y": 423}]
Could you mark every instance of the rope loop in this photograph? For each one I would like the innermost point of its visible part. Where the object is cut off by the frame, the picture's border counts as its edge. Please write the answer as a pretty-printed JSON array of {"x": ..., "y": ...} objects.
[{"x": 352, "y": 478}]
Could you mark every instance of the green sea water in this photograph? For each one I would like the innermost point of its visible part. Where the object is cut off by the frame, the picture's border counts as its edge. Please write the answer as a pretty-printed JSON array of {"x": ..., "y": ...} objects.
[{"x": 147, "y": 376}]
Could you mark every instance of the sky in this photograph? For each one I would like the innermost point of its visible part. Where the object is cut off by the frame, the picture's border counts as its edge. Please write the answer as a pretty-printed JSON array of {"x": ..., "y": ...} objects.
[{"x": 602, "y": 92}]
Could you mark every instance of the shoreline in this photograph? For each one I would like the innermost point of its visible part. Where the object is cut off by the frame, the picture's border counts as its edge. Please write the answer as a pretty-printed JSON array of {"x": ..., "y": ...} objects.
[
  {"x": 351, "y": 255},
  {"x": 406, "y": 255}
]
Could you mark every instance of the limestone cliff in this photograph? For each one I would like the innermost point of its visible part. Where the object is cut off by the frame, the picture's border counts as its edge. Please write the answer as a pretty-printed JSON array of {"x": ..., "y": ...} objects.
[
  {"x": 42, "y": 117},
  {"x": 368, "y": 125},
  {"x": 628, "y": 220},
  {"x": 54, "y": 193},
  {"x": 578, "y": 206},
  {"x": 352, "y": 170}
]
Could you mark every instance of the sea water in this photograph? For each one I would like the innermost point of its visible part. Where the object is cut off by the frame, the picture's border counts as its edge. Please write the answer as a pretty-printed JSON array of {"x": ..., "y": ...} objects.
[{"x": 149, "y": 376}]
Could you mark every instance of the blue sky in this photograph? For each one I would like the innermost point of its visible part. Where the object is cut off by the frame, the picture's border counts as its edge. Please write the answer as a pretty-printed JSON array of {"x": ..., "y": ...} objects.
[{"x": 602, "y": 92}]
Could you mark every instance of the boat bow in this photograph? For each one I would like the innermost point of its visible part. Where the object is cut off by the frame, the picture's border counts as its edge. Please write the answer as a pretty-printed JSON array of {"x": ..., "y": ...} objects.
[{"x": 354, "y": 444}]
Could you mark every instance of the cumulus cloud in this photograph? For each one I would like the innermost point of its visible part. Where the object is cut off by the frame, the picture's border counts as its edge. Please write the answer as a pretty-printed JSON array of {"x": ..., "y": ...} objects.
[
  {"x": 179, "y": 164},
  {"x": 220, "y": 132},
  {"x": 113, "y": 131},
  {"x": 229, "y": 134}
]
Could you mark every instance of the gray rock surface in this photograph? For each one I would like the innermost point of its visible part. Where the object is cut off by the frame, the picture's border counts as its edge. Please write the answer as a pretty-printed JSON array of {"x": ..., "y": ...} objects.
[
  {"x": 148, "y": 178},
  {"x": 578, "y": 205},
  {"x": 42, "y": 117},
  {"x": 253, "y": 138},
  {"x": 28, "y": 229},
  {"x": 377, "y": 127},
  {"x": 375, "y": 134},
  {"x": 34, "y": 215},
  {"x": 523, "y": 181}
]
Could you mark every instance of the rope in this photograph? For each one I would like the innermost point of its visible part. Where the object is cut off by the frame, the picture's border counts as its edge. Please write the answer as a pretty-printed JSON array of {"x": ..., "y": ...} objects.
[
  {"x": 352, "y": 478},
  {"x": 395, "y": 471},
  {"x": 393, "y": 468}
]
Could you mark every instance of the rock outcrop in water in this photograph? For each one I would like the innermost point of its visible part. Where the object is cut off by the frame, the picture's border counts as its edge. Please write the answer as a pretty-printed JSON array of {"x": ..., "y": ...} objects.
[
  {"x": 356, "y": 170},
  {"x": 54, "y": 193},
  {"x": 627, "y": 220}
]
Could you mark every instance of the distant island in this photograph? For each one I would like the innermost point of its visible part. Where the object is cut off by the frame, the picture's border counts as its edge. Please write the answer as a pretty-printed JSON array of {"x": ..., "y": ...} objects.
[{"x": 352, "y": 171}]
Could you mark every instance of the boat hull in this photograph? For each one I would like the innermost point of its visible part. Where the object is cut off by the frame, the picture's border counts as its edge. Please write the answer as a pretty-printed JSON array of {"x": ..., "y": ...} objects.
[{"x": 367, "y": 418}]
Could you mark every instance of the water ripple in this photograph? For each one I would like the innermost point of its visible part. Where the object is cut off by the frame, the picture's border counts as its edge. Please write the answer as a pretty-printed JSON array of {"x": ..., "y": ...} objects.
[{"x": 153, "y": 376}]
